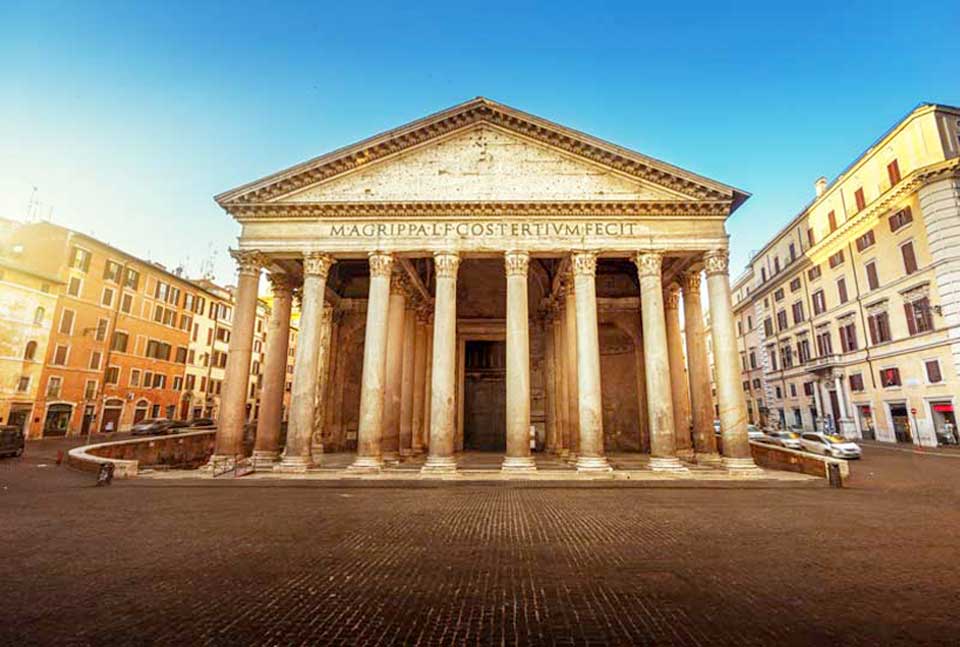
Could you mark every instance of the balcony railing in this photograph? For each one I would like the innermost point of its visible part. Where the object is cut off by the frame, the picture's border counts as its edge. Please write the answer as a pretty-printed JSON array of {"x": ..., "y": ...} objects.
[{"x": 824, "y": 363}]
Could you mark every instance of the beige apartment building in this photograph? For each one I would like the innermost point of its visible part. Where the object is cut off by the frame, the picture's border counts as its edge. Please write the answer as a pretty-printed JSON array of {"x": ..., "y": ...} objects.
[{"x": 849, "y": 318}]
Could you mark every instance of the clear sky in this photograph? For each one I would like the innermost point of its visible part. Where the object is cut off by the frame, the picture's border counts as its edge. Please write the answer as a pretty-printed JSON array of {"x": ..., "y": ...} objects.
[{"x": 128, "y": 117}]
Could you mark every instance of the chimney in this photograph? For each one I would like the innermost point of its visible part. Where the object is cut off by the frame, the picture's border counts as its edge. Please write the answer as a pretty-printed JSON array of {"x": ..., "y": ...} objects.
[{"x": 821, "y": 185}]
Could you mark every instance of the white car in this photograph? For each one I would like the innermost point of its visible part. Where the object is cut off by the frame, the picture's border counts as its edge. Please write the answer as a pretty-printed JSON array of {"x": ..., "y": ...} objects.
[
  {"x": 753, "y": 433},
  {"x": 829, "y": 445},
  {"x": 786, "y": 439}
]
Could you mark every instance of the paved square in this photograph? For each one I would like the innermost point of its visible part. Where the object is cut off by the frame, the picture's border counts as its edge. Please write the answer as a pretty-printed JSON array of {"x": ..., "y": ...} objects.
[{"x": 190, "y": 562}]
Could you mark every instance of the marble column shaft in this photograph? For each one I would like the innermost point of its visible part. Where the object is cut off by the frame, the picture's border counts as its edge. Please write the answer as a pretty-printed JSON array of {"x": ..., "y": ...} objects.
[
  {"x": 373, "y": 379},
  {"x": 392, "y": 393},
  {"x": 406, "y": 381},
  {"x": 701, "y": 396},
  {"x": 440, "y": 458},
  {"x": 233, "y": 400},
  {"x": 590, "y": 454},
  {"x": 297, "y": 455},
  {"x": 418, "y": 419},
  {"x": 663, "y": 446},
  {"x": 726, "y": 357},
  {"x": 679, "y": 388},
  {"x": 325, "y": 355},
  {"x": 550, "y": 386},
  {"x": 267, "y": 446},
  {"x": 560, "y": 370},
  {"x": 570, "y": 361},
  {"x": 518, "y": 364}
]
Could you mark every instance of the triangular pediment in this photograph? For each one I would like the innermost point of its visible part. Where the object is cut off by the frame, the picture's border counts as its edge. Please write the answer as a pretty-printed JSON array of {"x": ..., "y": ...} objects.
[
  {"x": 482, "y": 151},
  {"x": 482, "y": 163}
]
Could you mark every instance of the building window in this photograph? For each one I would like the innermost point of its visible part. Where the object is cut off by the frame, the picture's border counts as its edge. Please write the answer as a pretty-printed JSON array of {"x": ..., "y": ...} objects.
[
  {"x": 112, "y": 375},
  {"x": 772, "y": 353},
  {"x": 934, "y": 376},
  {"x": 178, "y": 383},
  {"x": 865, "y": 241},
  {"x": 126, "y": 303},
  {"x": 893, "y": 172},
  {"x": 814, "y": 273},
  {"x": 873, "y": 280},
  {"x": 147, "y": 379},
  {"x": 819, "y": 302},
  {"x": 856, "y": 382},
  {"x": 753, "y": 359},
  {"x": 95, "y": 360},
  {"x": 793, "y": 390},
  {"x": 90, "y": 390},
  {"x": 836, "y": 259},
  {"x": 776, "y": 264},
  {"x": 768, "y": 327},
  {"x": 23, "y": 384},
  {"x": 909, "y": 258},
  {"x": 66, "y": 322},
  {"x": 119, "y": 341},
  {"x": 80, "y": 259},
  {"x": 763, "y": 274},
  {"x": 181, "y": 356},
  {"x": 890, "y": 377},
  {"x": 191, "y": 382},
  {"x": 842, "y": 290},
  {"x": 779, "y": 393},
  {"x": 811, "y": 239},
  {"x": 900, "y": 219},
  {"x": 919, "y": 316},
  {"x": 756, "y": 383},
  {"x": 797, "y": 312},
  {"x": 803, "y": 350},
  {"x": 859, "y": 199},
  {"x": 155, "y": 411},
  {"x": 60, "y": 355},
  {"x": 106, "y": 299},
  {"x": 38, "y": 315},
  {"x": 795, "y": 284},
  {"x": 53, "y": 386},
  {"x": 792, "y": 251},
  {"x": 832, "y": 219},
  {"x": 73, "y": 288},
  {"x": 879, "y": 324},
  {"x": 782, "y": 320},
  {"x": 158, "y": 349},
  {"x": 848, "y": 337},
  {"x": 111, "y": 272},
  {"x": 131, "y": 279},
  {"x": 135, "y": 377},
  {"x": 824, "y": 343},
  {"x": 786, "y": 352},
  {"x": 808, "y": 388},
  {"x": 778, "y": 295},
  {"x": 30, "y": 351},
  {"x": 159, "y": 381}
]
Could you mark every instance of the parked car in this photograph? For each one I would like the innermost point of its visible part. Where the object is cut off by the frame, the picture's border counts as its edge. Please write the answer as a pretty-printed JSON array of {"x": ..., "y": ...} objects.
[
  {"x": 201, "y": 423},
  {"x": 11, "y": 440},
  {"x": 156, "y": 427},
  {"x": 787, "y": 439},
  {"x": 754, "y": 433},
  {"x": 829, "y": 445}
]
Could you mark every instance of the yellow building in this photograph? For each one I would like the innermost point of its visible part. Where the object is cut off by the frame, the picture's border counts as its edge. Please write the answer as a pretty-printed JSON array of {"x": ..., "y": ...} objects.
[{"x": 851, "y": 313}]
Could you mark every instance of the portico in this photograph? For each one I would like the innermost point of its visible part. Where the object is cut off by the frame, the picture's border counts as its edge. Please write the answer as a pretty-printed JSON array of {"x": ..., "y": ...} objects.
[{"x": 483, "y": 277}]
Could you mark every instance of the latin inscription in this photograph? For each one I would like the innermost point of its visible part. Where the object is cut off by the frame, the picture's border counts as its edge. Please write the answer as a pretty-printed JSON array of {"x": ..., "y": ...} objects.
[{"x": 483, "y": 229}]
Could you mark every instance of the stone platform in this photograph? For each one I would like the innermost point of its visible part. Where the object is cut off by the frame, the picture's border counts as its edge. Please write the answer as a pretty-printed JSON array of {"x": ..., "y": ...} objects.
[{"x": 485, "y": 467}]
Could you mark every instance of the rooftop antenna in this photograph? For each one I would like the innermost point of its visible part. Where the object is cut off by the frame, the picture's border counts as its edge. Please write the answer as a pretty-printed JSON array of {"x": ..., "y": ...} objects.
[{"x": 33, "y": 206}]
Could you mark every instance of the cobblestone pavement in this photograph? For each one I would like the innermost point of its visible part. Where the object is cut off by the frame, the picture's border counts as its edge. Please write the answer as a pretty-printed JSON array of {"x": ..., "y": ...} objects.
[{"x": 277, "y": 563}]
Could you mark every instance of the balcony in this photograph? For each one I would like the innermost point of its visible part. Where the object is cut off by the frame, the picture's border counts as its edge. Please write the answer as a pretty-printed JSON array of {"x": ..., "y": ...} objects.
[{"x": 824, "y": 364}]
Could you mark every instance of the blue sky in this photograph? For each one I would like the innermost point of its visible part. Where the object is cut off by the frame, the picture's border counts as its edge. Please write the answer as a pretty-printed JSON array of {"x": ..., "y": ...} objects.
[{"x": 129, "y": 117}]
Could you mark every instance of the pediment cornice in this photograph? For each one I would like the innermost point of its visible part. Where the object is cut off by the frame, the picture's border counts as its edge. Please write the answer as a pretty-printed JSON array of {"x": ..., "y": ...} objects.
[
  {"x": 467, "y": 115},
  {"x": 387, "y": 210}
]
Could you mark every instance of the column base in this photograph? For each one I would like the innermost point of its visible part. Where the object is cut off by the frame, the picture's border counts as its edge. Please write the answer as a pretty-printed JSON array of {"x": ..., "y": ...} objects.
[
  {"x": 219, "y": 459},
  {"x": 292, "y": 465},
  {"x": 686, "y": 454},
  {"x": 593, "y": 464},
  {"x": 711, "y": 460},
  {"x": 439, "y": 466},
  {"x": 405, "y": 453},
  {"x": 742, "y": 466},
  {"x": 366, "y": 465},
  {"x": 518, "y": 464},
  {"x": 570, "y": 457},
  {"x": 264, "y": 460},
  {"x": 562, "y": 453},
  {"x": 391, "y": 458},
  {"x": 666, "y": 464}
]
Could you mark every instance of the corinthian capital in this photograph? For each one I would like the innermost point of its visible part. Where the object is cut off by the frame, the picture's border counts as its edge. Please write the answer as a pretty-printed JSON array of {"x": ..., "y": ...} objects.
[
  {"x": 446, "y": 264},
  {"x": 716, "y": 261},
  {"x": 585, "y": 263},
  {"x": 691, "y": 282},
  {"x": 380, "y": 264},
  {"x": 249, "y": 261},
  {"x": 516, "y": 263},
  {"x": 648, "y": 263},
  {"x": 398, "y": 284},
  {"x": 671, "y": 297},
  {"x": 317, "y": 264}
]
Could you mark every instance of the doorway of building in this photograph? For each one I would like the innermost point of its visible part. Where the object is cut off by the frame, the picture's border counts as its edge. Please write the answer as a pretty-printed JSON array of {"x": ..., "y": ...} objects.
[
  {"x": 944, "y": 423},
  {"x": 58, "y": 420},
  {"x": 111, "y": 416},
  {"x": 19, "y": 416},
  {"x": 89, "y": 413},
  {"x": 900, "y": 417},
  {"x": 866, "y": 422},
  {"x": 485, "y": 396}
]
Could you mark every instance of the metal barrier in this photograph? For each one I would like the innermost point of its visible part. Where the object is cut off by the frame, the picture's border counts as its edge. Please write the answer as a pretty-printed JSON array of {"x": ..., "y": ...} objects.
[{"x": 237, "y": 465}]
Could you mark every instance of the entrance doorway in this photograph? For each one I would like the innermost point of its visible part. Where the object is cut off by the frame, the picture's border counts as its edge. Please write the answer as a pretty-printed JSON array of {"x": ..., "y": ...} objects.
[
  {"x": 944, "y": 423},
  {"x": 19, "y": 416},
  {"x": 485, "y": 396},
  {"x": 58, "y": 420},
  {"x": 89, "y": 413},
  {"x": 111, "y": 416},
  {"x": 900, "y": 418}
]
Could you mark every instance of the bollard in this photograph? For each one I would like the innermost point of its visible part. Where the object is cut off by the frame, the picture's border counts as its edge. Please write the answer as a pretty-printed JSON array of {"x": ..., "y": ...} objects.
[
  {"x": 833, "y": 474},
  {"x": 59, "y": 457}
]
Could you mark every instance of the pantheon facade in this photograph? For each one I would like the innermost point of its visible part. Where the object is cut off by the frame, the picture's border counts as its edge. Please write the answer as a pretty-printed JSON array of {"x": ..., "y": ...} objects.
[{"x": 485, "y": 280}]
